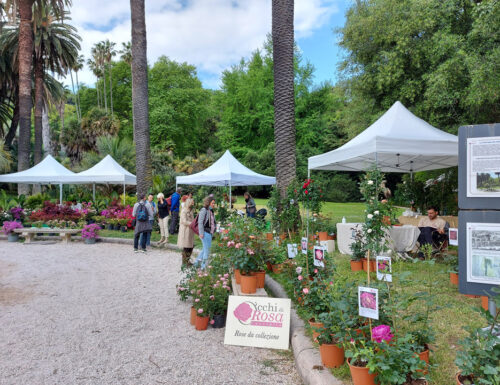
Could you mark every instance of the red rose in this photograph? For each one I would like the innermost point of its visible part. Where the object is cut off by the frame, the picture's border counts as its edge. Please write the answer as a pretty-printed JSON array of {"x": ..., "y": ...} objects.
[{"x": 306, "y": 192}]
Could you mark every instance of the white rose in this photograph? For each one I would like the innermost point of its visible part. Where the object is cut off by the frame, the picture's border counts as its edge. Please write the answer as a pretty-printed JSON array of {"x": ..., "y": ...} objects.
[
  {"x": 369, "y": 231},
  {"x": 370, "y": 182},
  {"x": 369, "y": 216},
  {"x": 376, "y": 212}
]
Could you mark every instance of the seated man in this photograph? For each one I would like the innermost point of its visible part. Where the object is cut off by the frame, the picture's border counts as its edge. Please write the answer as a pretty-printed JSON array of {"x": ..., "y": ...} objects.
[{"x": 433, "y": 229}]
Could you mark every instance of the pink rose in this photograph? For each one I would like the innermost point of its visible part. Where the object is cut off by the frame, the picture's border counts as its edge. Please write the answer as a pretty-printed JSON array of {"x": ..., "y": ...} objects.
[
  {"x": 212, "y": 322},
  {"x": 250, "y": 251},
  {"x": 238, "y": 245},
  {"x": 200, "y": 310},
  {"x": 382, "y": 333},
  {"x": 212, "y": 297},
  {"x": 305, "y": 290},
  {"x": 315, "y": 271},
  {"x": 300, "y": 278},
  {"x": 197, "y": 300}
]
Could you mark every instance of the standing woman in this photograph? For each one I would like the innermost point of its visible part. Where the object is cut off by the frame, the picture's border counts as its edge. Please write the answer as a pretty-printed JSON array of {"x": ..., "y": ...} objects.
[
  {"x": 249, "y": 205},
  {"x": 142, "y": 212},
  {"x": 206, "y": 228},
  {"x": 163, "y": 218},
  {"x": 185, "y": 240}
]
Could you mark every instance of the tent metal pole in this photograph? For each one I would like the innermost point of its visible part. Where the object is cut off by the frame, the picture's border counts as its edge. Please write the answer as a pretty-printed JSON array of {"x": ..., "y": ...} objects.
[
  {"x": 307, "y": 210},
  {"x": 93, "y": 192},
  {"x": 230, "y": 196},
  {"x": 124, "y": 194},
  {"x": 60, "y": 193}
]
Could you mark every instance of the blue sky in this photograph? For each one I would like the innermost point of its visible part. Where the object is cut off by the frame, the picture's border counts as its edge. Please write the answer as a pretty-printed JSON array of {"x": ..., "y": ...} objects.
[{"x": 213, "y": 35}]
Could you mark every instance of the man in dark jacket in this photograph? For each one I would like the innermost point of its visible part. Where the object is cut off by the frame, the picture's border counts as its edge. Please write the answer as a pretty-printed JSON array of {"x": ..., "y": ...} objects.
[
  {"x": 142, "y": 226},
  {"x": 174, "y": 210}
]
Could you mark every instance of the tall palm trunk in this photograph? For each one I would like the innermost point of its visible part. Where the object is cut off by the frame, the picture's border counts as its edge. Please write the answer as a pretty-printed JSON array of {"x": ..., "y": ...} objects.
[
  {"x": 38, "y": 156},
  {"x": 25, "y": 60},
  {"x": 111, "y": 89},
  {"x": 47, "y": 142},
  {"x": 105, "y": 95},
  {"x": 78, "y": 96},
  {"x": 97, "y": 89},
  {"x": 140, "y": 97},
  {"x": 76, "y": 99},
  {"x": 284, "y": 106}
]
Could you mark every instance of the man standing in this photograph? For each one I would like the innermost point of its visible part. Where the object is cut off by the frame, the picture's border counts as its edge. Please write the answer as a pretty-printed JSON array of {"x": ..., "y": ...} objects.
[
  {"x": 174, "y": 210},
  {"x": 142, "y": 212}
]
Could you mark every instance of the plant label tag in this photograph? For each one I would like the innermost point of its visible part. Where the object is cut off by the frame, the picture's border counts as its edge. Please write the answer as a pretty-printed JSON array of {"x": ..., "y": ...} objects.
[
  {"x": 384, "y": 268},
  {"x": 292, "y": 250},
  {"x": 303, "y": 245},
  {"x": 453, "y": 236},
  {"x": 319, "y": 256},
  {"x": 368, "y": 302},
  {"x": 261, "y": 322}
]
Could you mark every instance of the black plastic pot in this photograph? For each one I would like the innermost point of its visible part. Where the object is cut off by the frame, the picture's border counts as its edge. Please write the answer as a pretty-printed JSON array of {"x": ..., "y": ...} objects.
[
  {"x": 110, "y": 227},
  {"x": 124, "y": 229},
  {"x": 117, "y": 227},
  {"x": 219, "y": 321}
]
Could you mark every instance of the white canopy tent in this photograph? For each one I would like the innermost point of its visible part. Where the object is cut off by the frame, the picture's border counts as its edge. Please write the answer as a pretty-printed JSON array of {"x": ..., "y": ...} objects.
[
  {"x": 397, "y": 142},
  {"x": 48, "y": 171},
  {"x": 107, "y": 171},
  {"x": 226, "y": 171}
]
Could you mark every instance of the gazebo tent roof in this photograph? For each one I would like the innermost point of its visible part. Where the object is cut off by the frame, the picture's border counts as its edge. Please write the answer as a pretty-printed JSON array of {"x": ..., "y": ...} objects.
[
  {"x": 398, "y": 142},
  {"x": 226, "y": 171},
  {"x": 106, "y": 171},
  {"x": 48, "y": 171}
]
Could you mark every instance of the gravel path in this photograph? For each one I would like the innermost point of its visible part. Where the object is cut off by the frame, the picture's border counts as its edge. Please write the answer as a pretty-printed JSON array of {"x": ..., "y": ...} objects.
[{"x": 100, "y": 314}]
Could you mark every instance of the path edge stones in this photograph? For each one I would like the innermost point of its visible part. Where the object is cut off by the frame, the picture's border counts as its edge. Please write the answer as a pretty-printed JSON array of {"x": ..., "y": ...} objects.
[{"x": 307, "y": 357}]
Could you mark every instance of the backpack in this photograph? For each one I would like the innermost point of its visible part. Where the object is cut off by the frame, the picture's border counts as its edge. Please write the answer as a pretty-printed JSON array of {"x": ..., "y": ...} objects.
[
  {"x": 169, "y": 202},
  {"x": 142, "y": 213},
  {"x": 194, "y": 225}
]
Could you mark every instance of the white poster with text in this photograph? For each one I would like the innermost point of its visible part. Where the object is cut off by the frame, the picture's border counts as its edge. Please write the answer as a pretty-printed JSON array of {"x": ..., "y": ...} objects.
[{"x": 483, "y": 167}]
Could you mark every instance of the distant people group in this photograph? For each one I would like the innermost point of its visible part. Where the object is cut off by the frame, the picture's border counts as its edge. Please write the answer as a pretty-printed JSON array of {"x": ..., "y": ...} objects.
[{"x": 173, "y": 214}]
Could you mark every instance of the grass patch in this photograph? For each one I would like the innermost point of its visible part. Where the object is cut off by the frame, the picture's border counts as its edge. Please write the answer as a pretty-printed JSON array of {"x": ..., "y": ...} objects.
[{"x": 456, "y": 312}]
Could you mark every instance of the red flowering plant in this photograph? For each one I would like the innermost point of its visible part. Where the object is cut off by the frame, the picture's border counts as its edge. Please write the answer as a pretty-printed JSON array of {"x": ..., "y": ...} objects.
[
  {"x": 51, "y": 211},
  {"x": 311, "y": 195}
]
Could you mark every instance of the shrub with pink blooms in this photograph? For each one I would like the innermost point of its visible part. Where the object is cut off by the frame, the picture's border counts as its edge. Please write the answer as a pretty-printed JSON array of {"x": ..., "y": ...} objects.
[
  {"x": 8, "y": 227},
  {"x": 91, "y": 231}
]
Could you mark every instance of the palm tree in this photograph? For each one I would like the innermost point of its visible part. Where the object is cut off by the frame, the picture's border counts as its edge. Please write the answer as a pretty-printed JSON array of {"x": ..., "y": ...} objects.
[
  {"x": 78, "y": 67},
  {"x": 97, "y": 73},
  {"x": 126, "y": 52},
  {"x": 25, "y": 8},
  {"x": 56, "y": 49},
  {"x": 109, "y": 53},
  {"x": 98, "y": 52},
  {"x": 284, "y": 108},
  {"x": 140, "y": 96},
  {"x": 5, "y": 158}
]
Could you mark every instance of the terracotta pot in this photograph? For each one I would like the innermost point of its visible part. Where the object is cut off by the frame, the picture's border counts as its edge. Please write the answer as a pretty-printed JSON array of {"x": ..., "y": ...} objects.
[
  {"x": 360, "y": 376},
  {"x": 454, "y": 279},
  {"x": 484, "y": 302},
  {"x": 356, "y": 265},
  {"x": 277, "y": 268},
  {"x": 193, "y": 315},
  {"x": 248, "y": 284},
  {"x": 331, "y": 355},
  {"x": 424, "y": 356},
  {"x": 283, "y": 236},
  {"x": 372, "y": 265},
  {"x": 323, "y": 236},
  {"x": 237, "y": 276},
  {"x": 269, "y": 236},
  {"x": 386, "y": 220},
  {"x": 201, "y": 323},
  {"x": 331, "y": 237},
  {"x": 261, "y": 278},
  {"x": 269, "y": 266},
  {"x": 315, "y": 325}
]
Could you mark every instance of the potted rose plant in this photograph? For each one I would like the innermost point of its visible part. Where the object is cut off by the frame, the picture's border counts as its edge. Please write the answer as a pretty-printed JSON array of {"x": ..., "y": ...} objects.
[
  {"x": 8, "y": 228},
  {"x": 358, "y": 249},
  {"x": 90, "y": 233},
  {"x": 217, "y": 305}
]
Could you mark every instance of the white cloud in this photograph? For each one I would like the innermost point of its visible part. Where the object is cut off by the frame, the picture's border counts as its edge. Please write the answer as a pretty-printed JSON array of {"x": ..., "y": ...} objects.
[{"x": 210, "y": 34}]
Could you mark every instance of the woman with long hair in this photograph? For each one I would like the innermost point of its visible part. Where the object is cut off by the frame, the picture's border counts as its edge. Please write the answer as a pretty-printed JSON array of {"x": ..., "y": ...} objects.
[
  {"x": 206, "y": 228},
  {"x": 185, "y": 241}
]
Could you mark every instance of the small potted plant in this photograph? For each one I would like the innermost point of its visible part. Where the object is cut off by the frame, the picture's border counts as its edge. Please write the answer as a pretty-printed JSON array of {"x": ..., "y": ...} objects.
[
  {"x": 217, "y": 305},
  {"x": 358, "y": 249},
  {"x": 90, "y": 233},
  {"x": 123, "y": 224},
  {"x": 478, "y": 358},
  {"x": 452, "y": 260},
  {"x": 330, "y": 346},
  {"x": 279, "y": 256},
  {"x": 8, "y": 229}
]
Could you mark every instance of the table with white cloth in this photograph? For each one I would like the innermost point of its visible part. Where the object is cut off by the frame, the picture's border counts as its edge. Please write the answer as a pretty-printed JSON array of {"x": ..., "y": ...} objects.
[
  {"x": 345, "y": 236},
  {"x": 402, "y": 238}
]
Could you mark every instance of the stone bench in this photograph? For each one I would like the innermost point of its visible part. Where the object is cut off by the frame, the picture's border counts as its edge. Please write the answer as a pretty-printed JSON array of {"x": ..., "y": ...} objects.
[{"x": 29, "y": 233}]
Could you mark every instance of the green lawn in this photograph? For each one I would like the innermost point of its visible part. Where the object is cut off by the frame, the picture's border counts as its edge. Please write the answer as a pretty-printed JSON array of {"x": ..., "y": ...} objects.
[{"x": 456, "y": 312}]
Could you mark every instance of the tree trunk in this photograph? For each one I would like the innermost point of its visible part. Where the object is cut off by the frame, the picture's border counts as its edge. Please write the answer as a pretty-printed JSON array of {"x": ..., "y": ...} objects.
[
  {"x": 78, "y": 96},
  {"x": 105, "y": 95},
  {"x": 13, "y": 125},
  {"x": 46, "y": 137},
  {"x": 61, "y": 118},
  {"x": 73, "y": 89},
  {"x": 38, "y": 110},
  {"x": 97, "y": 89},
  {"x": 111, "y": 89},
  {"x": 25, "y": 60},
  {"x": 140, "y": 97},
  {"x": 284, "y": 106}
]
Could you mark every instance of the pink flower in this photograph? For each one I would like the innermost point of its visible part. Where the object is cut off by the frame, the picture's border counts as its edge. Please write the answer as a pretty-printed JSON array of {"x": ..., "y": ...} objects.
[
  {"x": 315, "y": 271},
  {"x": 212, "y": 297},
  {"x": 298, "y": 270},
  {"x": 212, "y": 322},
  {"x": 305, "y": 290},
  {"x": 238, "y": 245},
  {"x": 197, "y": 300},
  {"x": 331, "y": 282},
  {"x": 200, "y": 310},
  {"x": 306, "y": 192},
  {"x": 226, "y": 275},
  {"x": 382, "y": 333},
  {"x": 300, "y": 278},
  {"x": 250, "y": 251}
]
